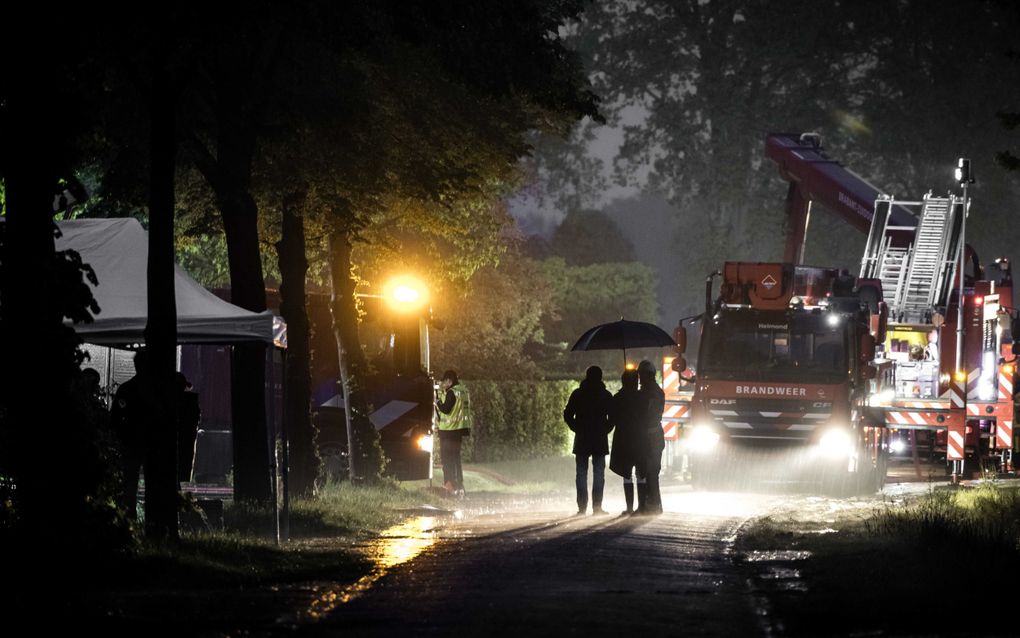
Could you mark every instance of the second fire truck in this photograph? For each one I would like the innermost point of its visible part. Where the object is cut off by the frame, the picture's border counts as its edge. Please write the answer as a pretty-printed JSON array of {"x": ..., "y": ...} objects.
[{"x": 934, "y": 367}]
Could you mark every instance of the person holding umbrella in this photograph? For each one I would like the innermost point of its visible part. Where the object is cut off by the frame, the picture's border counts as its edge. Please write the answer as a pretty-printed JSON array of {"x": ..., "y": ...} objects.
[
  {"x": 587, "y": 416},
  {"x": 629, "y": 441}
]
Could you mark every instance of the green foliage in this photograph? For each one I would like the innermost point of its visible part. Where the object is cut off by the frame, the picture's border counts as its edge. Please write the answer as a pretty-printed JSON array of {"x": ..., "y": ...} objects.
[
  {"x": 517, "y": 420},
  {"x": 488, "y": 330},
  {"x": 985, "y": 520},
  {"x": 518, "y": 320},
  {"x": 369, "y": 460},
  {"x": 584, "y": 296},
  {"x": 337, "y": 509},
  {"x": 1010, "y": 120},
  {"x": 694, "y": 86},
  {"x": 77, "y": 470},
  {"x": 586, "y": 237}
]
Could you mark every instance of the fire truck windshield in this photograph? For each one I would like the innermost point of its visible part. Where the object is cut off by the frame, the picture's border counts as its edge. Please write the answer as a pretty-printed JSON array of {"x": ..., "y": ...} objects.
[{"x": 773, "y": 345}]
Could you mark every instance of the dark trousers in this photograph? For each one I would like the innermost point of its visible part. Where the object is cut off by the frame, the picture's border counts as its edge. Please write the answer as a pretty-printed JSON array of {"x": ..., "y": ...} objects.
[
  {"x": 598, "y": 479},
  {"x": 653, "y": 465},
  {"x": 449, "y": 455}
]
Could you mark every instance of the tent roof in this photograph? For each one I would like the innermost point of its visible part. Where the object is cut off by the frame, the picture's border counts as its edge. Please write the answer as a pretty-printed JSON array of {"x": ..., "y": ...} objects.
[{"x": 118, "y": 249}]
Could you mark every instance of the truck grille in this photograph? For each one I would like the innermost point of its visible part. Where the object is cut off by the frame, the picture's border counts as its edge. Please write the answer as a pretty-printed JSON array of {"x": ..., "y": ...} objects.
[{"x": 779, "y": 421}]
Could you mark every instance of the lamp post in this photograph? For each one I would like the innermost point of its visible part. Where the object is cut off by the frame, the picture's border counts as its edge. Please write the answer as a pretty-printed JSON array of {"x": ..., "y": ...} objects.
[{"x": 404, "y": 295}]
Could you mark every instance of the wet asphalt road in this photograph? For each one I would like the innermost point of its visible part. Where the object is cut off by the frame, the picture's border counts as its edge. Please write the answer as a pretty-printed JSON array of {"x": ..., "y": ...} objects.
[
  {"x": 501, "y": 567},
  {"x": 532, "y": 568}
]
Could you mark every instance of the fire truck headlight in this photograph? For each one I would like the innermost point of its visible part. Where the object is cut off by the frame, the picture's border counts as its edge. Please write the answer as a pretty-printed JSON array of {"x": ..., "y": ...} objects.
[
  {"x": 702, "y": 438},
  {"x": 425, "y": 443},
  {"x": 836, "y": 443}
]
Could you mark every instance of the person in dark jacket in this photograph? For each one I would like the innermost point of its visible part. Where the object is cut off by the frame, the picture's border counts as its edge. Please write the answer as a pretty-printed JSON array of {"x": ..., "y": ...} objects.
[
  {"x": 587, "y": 416},
  {"x": 629, "y": 440},
  {"x": 130, "y": 414},
  {"x": 654, "y": 402}
]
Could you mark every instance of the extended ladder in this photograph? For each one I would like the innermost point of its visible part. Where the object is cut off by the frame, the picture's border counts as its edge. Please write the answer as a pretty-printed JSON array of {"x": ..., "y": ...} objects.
[{"x": 916, "y": 264}]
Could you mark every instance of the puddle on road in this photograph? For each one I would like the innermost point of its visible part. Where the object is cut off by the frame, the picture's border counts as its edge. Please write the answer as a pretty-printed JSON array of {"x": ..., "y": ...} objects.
[
  {"x": 777, "y": 572},
  {"x": 395, "y": 546},
  {"x": 764, "y": 556}
]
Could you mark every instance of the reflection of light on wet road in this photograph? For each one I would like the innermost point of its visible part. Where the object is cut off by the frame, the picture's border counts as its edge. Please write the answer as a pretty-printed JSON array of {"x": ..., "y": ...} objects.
[
  {"x": 395, "y": 546},
  {"x": 717, "y": 504}
]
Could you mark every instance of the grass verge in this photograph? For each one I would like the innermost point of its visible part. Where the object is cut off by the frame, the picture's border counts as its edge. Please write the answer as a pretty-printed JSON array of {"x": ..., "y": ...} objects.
[
  {"x": 245, "y": 554},
  {"x": 922, "y": 569},
  {"x": 531, "y": 476}
]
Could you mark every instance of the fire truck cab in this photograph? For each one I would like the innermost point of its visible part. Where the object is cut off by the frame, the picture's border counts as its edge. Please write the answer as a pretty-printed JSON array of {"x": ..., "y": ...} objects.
[{"x": 784, "y": 372}]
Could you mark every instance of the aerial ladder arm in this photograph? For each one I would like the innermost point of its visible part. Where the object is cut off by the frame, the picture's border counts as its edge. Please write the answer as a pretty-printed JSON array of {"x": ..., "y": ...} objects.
[{"x": 813, "y": 177}]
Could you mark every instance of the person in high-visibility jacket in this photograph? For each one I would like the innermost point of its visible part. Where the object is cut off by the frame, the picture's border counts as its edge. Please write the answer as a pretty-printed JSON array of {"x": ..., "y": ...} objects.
[{"x": 454, "y": 405}]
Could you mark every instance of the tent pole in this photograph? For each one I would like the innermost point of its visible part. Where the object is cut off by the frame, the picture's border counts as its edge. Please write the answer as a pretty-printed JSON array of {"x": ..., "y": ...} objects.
[
  {"x": 285, "y": 436},
  {"x": 272, "y": 443}
]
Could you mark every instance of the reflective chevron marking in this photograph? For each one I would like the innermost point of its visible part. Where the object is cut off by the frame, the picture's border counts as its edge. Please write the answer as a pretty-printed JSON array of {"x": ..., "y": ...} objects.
[{"x": 1004, "y": 434}]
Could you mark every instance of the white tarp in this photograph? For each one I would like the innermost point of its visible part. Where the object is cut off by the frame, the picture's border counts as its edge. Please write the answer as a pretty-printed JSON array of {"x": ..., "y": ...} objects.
[{"x": 117, "y": 249}]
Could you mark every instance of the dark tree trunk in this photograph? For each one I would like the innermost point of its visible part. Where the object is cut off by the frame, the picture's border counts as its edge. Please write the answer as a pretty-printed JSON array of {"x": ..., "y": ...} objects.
[
  {"x": 365, "y": 450},
  {"x": 161, "y": 487},
  {"x": 229, "y": 175},
  {"x": 304, "y": 457},
  {"x": 44, "y": 441},
  {"x": 37, "y": 368},
  {"x": 252, "y": 475}
]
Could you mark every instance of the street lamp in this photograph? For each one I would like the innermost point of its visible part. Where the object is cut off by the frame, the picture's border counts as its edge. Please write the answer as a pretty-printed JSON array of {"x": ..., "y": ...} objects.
[
  {"x": 407, "y": 299},
  {"x": 405, "y": 293}
]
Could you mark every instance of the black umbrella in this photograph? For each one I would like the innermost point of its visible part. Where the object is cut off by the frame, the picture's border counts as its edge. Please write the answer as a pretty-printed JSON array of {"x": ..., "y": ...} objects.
[{"x": 623, "y": 334}]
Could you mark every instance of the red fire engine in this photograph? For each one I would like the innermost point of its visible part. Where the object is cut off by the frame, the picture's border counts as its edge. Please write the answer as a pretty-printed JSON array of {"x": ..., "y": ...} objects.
[
  {"x": 783, "y": 380},
  {"x": 941, "y": 370}
]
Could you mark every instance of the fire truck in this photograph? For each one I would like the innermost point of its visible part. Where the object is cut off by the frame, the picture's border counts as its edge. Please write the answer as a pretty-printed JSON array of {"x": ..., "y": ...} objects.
[
  {"x": 940, "y": 370},
  {"x": 784, "y": 377}
]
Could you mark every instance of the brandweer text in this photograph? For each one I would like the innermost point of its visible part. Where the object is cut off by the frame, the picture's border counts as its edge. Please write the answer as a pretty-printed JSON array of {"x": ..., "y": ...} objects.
[{"x": 771, "y": 390}]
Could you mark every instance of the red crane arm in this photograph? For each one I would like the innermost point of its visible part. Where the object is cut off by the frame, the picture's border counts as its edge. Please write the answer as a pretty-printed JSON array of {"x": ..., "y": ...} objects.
[{"x": 813, "y": 177}]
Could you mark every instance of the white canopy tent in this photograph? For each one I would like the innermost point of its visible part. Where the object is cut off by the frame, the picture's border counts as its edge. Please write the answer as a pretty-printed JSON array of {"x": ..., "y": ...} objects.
[{"x": 117, "y": 249}]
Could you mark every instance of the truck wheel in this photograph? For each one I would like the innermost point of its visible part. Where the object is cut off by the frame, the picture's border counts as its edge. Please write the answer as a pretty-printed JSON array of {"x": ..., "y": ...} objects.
[
  {"x": 881, "y": 471},
  {"x": 838, "y": 483},
  {"x": 704, "y": 475},
  {"x": 868, "y": 481}
]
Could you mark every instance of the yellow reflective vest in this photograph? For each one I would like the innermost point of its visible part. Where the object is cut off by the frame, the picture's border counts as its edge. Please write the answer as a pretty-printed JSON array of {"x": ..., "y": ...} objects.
[{"x": 460, "y": 417}]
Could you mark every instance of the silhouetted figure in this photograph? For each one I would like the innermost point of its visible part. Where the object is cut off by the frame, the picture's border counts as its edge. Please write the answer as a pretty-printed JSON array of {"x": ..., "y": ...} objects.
[
  {"x": 88, "y": 388},
  {"x": 629, "y": 440},
  {"x": 454, "y": 405},
  {"x": 654, "y": 402},
  {"x": 130, "y": 415},
  {"x": 90, "y": 383},
  {"x": 587, "y": 415},
  {"x": 189, "y": 414}
]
